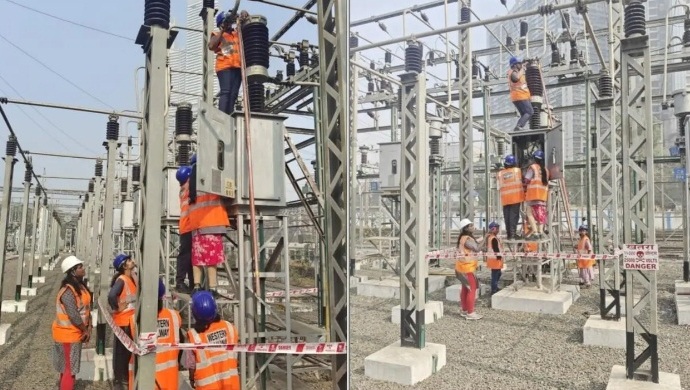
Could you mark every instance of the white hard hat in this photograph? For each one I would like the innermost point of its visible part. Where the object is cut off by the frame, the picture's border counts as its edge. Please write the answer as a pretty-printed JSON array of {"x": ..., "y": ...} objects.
[
  {"x": 464, "y": 223},
  {"x": 69, "y": 262}
]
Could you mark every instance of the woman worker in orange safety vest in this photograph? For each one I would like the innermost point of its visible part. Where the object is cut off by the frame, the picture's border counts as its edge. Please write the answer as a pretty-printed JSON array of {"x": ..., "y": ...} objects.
[
  {"x": 72, "y": 325},
  {"x": 519, "y": 92},
  {"x": 585, "y": 264},
  {"x": 122, "y": 299},
  {"x": 512, "y": 194},
  {"x": 208, "y": 221},
  {"x": 494, "y": 262},
  {"x": 465, "y": 267},
  {"x": 225, "y": 43},
  {"x": 536, "y": 184},
  {"x": 211, "y": 369},
  {"x": 169, "y": 332}
]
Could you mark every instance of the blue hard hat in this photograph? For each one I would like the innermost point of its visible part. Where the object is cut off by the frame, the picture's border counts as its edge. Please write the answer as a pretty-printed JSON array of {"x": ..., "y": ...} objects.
[
  {"x": 204, "y": 306},
  {"x": 515, "y": 60},
  {"x": 583, "y": 227},
  {"x": 161, "y": 288},
  {"x": 192, "y": 160},
  {"x": 120, "y": 260},
  {"x": 183, "y": 173},
  {"x": 219, "y": 18},
  {"x": 509, "y": 160},
  {"x": 494, "y": 225},
  {"x": 539, "y": 155}
]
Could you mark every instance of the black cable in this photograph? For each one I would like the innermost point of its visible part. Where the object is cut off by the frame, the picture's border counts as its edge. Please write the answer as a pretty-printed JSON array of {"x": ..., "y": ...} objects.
[
  {"x": 47, "y": 120},
  {"x": 55, "y": 73},
  {"x": 71, "y": 22}
]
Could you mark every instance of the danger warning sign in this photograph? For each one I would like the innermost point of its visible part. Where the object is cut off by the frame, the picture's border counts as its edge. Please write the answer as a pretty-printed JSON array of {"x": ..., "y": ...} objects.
[{"x": 640, "y": 257}]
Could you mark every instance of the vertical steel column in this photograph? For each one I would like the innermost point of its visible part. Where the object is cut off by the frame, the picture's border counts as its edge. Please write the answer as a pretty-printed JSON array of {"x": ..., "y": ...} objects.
[
  {"x": 436, "y": 204},
  {"x": 10, "y": 152},
  {"x": 154, "y": 40},
  {"x": 487, "y": 140},
  {"x": 414, "y": 192},
  {"x": 638, "y": 198},
  {"x": 333, "y": 22},
  {"x": 44, "y": 233},
  {"x": 686, "y": 208},
  {"x": 207, "y": 69},
  {"x": 112, "y": 134},
  {"x": 96, "y": 204},
  {"x": 588, "y": 155},
  {"x": 352, "y": 199},
  {"x": 22, "y": 232},
  {"x": 465, "y": 130},
  {"x": 319, "y": 176},
  {"x": 34, "y": 225}
]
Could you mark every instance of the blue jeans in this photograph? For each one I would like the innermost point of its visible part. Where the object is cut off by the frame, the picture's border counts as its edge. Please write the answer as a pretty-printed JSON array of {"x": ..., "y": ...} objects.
[
  {"x": 495, "y": 277},
  {"x": 526, "y": 111},
  {"x": 229, "y": 81}
]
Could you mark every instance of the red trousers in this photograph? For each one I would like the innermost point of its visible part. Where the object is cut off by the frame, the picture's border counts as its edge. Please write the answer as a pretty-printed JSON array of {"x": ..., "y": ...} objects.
[{"x": 468, "y": 292}]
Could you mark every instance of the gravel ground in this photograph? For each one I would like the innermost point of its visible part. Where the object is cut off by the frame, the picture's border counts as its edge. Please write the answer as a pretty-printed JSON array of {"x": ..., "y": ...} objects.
[{"x": 512, "y": 350}]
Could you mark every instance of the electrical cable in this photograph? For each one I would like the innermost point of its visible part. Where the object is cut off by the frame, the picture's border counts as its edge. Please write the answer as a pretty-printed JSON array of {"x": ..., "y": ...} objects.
[
  {"x": 71, "y": 22},
  {"x": 47, "y": 120},
  {"x": 55, "y": 72}
]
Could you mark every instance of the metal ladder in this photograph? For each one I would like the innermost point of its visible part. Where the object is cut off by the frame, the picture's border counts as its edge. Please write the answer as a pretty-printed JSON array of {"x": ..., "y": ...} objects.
[{"x": 310, "y": 181}]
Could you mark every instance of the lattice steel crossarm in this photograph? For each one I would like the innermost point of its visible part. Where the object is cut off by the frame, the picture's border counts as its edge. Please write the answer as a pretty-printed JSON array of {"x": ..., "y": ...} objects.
[
  {"x": 333, "y": 19},
  {"x": 638, "y": 199},
  {"x": 414, "y": 197}
]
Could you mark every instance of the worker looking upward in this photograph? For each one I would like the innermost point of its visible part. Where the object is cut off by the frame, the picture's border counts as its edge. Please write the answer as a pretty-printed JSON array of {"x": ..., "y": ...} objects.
[
  {"x": 512, "y": 194},
  {"x": 184, "y": 257},
  {"x": 225, "y": 42},
  {"x": 519, "y": 92}
]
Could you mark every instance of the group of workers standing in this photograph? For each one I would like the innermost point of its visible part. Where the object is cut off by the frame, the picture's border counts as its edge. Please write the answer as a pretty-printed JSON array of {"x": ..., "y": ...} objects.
[{"x": 210, "y": 369}]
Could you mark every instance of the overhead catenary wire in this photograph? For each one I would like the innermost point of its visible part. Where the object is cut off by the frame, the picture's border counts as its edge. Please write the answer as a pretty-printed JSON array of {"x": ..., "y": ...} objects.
[
  {"x": 55, "y": 72},
  {"x": 129, "y": 39}
]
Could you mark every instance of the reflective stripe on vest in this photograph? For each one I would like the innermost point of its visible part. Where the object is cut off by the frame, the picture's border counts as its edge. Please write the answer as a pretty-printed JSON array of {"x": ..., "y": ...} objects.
[
  {"x": 62, "y": 328},
  {"x": 536, "y": 190},
  {"x": 510, "y": 186},
  {"x": 519, "y": 90},
  {"x": 466, "y": 264},
  {"x": 492, "y": 262},
  {"x": 584, "y": 261},
  {"x": 207, "y": 211},
  {"x": 228, "y": 52},
  {"x": 127, "y": 297},
  {"x": 215, "y": 367}
]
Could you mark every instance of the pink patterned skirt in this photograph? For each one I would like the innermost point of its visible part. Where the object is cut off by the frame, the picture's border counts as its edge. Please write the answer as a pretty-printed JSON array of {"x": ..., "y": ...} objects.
[
  {"x": 539, "y": 213},
  {"x": 207, "y": 249}
]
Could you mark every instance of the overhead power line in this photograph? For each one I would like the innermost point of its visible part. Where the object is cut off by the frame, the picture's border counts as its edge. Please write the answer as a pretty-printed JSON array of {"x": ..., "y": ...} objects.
[{"x": 129, "y": 39}]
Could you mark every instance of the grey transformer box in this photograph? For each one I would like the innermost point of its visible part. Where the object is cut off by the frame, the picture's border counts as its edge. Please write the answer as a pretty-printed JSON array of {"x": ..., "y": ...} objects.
[{"x": 222, "y": 167}]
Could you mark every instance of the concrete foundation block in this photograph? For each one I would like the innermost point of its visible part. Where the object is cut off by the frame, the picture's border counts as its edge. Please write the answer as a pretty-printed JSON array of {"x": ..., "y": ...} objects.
[
  {"x": 405, "y": 366},
  {"x": 223, "y": 282},
  {"x": 532, "y": 300},
  {"x": 38, "y": 279},
  {"x": 453, "y": 293},
  {"x": 29, "y": 291},
  {"x": 21, "y": 306},
  {"x": 683, "y": 309},
  {"x": 682, "y": 287},
  {"x": 573, "y": 290},
  {"x": 8, "y": 306},
  {"x": 355, "y": 280},
  {"x": 4, "y": 333},
  {"x": 386, "y": 288},
  {"x": 96, "y": 368},
  {"x": 358, "y": 266},
  {"x": 436, "y": 282},
  {"x": 433, "y": 310},
  {"x": 618, "y": 381},
  {"x": 604, "y": 333}
]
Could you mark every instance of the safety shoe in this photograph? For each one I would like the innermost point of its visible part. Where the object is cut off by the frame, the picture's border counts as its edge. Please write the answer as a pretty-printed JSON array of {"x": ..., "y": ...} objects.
[
  {"x": 463, "y": 314},
  {"x": 196, "y": 289},
  {"x": 183, "y": 288},
  {"x": 473, "y": 316}
]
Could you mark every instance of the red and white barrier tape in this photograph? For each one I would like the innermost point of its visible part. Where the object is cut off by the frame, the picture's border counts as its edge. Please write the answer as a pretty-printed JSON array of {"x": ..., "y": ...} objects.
[
  {"x": 286, "y": 348},
  {"x": 301, "y": 291},
  {"x": 282, "y": 348},
  {"x": 455, "y": 254}
]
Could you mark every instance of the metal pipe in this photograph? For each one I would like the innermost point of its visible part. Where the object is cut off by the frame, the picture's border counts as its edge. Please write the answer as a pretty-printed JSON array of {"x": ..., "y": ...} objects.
[
  {"x": 590, "y": 31},
  {"x": 64, "y": 177},
  {"x": 298, "y": 9},
  {"x": 22, "y": 238},
  {"x": 34, "y": 224},
  {"x": 416, "y": 8},
  {"x": 61, "y": 155},
  {"x": 687, "y": 9},
  {"x": 69, "y": 107}
]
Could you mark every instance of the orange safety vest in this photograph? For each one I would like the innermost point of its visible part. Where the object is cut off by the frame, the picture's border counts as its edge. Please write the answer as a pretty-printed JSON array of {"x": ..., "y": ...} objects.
[
  {"x": 207, "y": 211},
  {"x": 466, "y": 264},
  {"x": 125, "y": 302},
  {"x": 228, "y": 52},
  {"x": 493, "y": 262},
  {"x": 185, "y": 224},
  {"x": 518, "y": 91},
  {"x": 215, "y": 369},
  {"x": 510, "y": 186},
  {"x": 584, "y": 261},
  {"x": 167, "y": 368},
  {"x": 536, "y": 190},
  {"x": 63, "y": 329}
]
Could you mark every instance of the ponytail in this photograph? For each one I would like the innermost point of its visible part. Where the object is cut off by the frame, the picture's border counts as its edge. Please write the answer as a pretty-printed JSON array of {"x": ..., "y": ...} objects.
[{"x": 544, "y": 178}]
